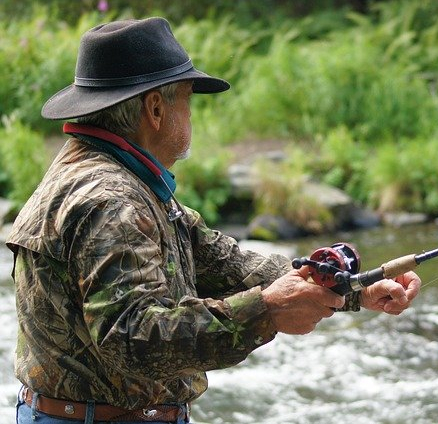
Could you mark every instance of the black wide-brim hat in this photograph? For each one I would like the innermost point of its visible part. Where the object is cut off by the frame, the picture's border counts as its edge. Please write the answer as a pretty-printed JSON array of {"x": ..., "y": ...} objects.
[{"x": 122, "y": 59}]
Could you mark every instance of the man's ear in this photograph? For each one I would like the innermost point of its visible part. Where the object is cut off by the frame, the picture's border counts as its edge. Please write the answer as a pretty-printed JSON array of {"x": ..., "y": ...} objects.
[{"x": 154, "y": 107}]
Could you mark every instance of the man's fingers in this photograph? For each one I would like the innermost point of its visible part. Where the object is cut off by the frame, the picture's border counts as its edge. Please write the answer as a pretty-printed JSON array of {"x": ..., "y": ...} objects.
[
  {"x": 327, "y": 297},
  {"x": 411, "y": 282},
  {"x": 413, "y": 288},
  {"x": 394, "y": 290}
]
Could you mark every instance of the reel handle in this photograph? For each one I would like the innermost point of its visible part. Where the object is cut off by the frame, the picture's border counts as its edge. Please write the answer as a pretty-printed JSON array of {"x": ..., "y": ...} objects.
[{"x": 298, "y": 263}]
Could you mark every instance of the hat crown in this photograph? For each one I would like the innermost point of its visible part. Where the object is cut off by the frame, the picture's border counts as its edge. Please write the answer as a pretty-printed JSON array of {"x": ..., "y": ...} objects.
[{"x": 128, "y": 48}]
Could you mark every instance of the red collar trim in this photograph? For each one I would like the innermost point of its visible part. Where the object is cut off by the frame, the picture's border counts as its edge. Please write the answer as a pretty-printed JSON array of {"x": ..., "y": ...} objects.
[{"x": 74, "y": 128}]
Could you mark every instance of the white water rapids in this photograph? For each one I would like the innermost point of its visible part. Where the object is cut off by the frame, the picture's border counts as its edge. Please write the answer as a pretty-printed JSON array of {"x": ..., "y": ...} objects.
[{"x": 355, "y": 368}]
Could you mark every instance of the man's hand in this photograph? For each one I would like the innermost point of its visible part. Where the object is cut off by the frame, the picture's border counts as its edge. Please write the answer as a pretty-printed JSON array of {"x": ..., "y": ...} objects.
[
  {"x": 296, "y": 306},
  {"x": 391, "y": 296}
]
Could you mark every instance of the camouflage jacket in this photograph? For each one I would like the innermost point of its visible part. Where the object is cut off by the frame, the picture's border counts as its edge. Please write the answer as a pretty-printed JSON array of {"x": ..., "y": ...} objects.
[{"x": 116, "y": 303}]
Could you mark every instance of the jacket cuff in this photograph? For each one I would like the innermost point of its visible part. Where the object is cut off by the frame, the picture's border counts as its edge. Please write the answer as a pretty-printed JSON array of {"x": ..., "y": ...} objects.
[
  {"x": 249, "y": 310},
  {"x": 352, "y": 302}
]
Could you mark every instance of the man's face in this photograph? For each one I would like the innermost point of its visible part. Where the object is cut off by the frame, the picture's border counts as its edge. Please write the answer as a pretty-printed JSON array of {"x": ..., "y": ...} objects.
[{"x": 178, "y": 128}]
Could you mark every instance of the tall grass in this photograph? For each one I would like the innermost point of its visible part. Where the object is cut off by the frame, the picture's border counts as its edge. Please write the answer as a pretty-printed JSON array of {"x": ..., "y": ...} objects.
[{"x": 316, "y": 86}]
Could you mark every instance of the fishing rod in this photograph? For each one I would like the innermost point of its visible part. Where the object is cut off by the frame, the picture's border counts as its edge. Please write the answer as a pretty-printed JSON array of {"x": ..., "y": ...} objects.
[{"x": 337, "y": 267}]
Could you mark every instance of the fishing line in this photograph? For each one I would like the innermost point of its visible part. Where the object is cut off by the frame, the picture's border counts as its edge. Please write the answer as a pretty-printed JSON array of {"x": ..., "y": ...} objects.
[{"x": 429, "y": 282}]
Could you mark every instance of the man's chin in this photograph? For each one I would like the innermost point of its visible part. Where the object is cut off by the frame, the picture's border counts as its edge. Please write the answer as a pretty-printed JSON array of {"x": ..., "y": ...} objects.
[{"x": 185, "y": 155}]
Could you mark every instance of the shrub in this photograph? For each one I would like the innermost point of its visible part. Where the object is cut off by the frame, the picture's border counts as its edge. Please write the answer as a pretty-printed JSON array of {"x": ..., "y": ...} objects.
[
  {"x": 202, "y": 181},
  {"x": 341, "y": 161},
  {"x": 24, "y": 159},
  {"x": 280, "y": 192},
  {"x": 403, "y": 176}
]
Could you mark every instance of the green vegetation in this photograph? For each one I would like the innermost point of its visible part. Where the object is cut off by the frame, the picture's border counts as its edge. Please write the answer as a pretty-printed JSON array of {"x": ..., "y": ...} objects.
[
  {"x": 280, "y": 192},
  {"x": 23, "y": 160},
  {"x": 353, "y": 94}
]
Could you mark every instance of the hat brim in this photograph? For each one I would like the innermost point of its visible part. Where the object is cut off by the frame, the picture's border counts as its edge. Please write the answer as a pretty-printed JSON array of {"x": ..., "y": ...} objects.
[{"x": 75, "y": 101}]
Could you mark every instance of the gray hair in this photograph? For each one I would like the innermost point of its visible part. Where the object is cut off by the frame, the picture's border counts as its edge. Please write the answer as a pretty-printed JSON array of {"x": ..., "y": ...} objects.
[{"x": 123, "y": 118}]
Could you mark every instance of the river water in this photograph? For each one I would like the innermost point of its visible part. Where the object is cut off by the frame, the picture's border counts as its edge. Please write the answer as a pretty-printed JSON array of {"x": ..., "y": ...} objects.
[{"x": 361, "y": 368}]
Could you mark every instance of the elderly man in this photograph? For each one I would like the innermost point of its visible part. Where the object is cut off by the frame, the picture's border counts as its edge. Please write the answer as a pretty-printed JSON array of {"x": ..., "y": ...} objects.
[{"x": 124, "y": 297}]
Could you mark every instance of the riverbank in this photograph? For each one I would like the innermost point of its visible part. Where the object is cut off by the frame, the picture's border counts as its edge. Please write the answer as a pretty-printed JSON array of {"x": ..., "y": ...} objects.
[
  {"x": 239, "y": 217},
  {"x": 335, "y": 209}
]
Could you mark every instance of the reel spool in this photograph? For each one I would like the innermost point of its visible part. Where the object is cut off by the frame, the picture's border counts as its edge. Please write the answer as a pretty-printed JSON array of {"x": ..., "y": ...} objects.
[{"x": 325, "y": 262}]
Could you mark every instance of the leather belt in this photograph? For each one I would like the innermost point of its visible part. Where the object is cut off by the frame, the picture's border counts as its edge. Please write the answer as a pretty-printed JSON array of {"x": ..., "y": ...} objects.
[{"x": 104, "y": 412}]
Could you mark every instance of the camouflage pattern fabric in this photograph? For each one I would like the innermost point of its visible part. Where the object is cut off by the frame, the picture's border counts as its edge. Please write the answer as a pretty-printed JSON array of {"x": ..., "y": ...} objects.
[{"x": 116, "y": 303}]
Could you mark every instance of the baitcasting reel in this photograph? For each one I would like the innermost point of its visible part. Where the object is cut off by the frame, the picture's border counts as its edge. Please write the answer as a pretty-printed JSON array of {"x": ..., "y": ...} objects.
[
  {"x": 326, "y": 263},
  {"x": 337, "y": 267}
]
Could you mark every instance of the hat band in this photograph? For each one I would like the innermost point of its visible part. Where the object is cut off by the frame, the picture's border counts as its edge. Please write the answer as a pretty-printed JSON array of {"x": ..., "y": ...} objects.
[{"x": 137, "y": 79}]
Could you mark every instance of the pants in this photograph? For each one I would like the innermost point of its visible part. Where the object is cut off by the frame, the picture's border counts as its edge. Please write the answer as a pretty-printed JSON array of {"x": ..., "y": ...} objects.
[{"x": 29, "y": 415}]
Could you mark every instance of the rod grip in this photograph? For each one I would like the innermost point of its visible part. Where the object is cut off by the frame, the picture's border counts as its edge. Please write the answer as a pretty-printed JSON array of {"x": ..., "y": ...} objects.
[{"x": 399, "y": 266}]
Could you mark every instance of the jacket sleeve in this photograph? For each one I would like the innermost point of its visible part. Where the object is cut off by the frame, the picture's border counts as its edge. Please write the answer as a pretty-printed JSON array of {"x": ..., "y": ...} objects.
[
  {"x": 135, "y": 321},
  {"x": 222, "y": 268}
]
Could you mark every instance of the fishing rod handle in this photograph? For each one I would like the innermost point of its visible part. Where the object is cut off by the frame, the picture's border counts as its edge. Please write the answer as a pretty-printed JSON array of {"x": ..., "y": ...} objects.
[
  {"x": 399, "y": 266},
  {"x": 390, "y": 269}
]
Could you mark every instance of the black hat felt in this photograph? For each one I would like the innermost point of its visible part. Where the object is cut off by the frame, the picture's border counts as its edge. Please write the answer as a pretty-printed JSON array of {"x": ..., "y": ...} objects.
[{"x": 121, "y": 59}]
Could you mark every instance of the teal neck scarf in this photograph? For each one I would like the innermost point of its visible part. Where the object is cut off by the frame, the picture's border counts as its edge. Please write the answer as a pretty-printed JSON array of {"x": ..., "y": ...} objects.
[{"x": 137, "y": 160}]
